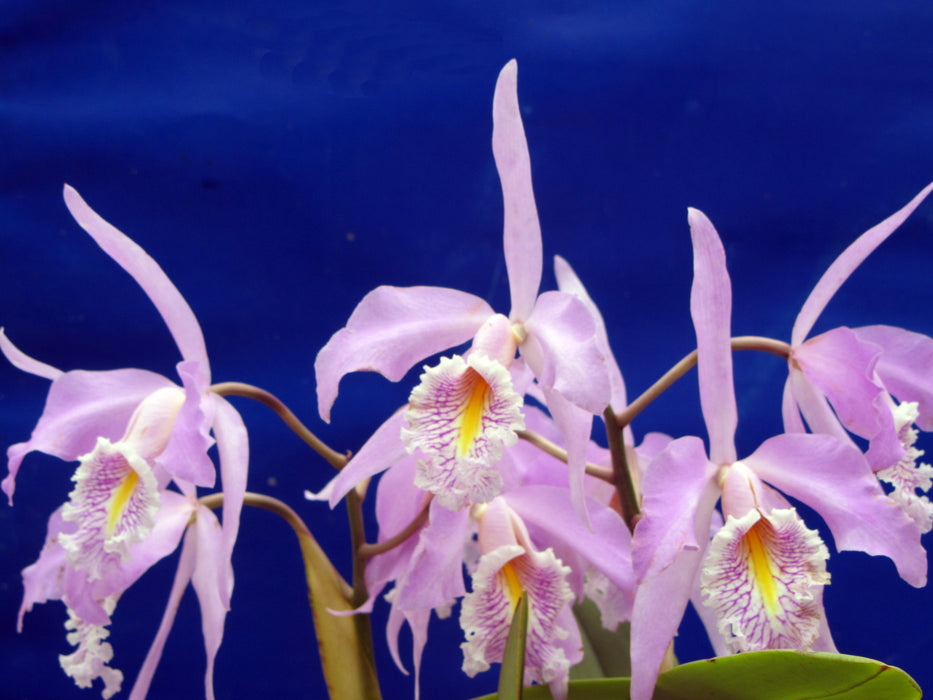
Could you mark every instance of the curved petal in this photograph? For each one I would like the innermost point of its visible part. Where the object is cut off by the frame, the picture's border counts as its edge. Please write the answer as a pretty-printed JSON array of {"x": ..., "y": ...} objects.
[
  {"x": 82, "y": 406},
  {"x": 209, "y": 580},
  {"x": 435, "y": 574},
  {"x": 660, "y": 602},
  {"x": 567, "y": 281},
  {"x": 183, "y": 573},
  {"x": 391, "y": 330},
  {"x": 43, "y": 579},
  {"x": 711, "y": 310},
  {"x": 233, "y": 449},
  {"x": 845, "y": 265},
  {"x": 575, "y": 425},
  {"x": 842, "y": 368},
  {"x": 814, "y": 407},
  {"x": 793, "y": 423},
  {"x": 522, "y": 232},
  {"x": 836, "y": 481},
  {"x": 676, "y": 482},
  {"x": 23, "y": 362},
  {"x": 381, "y": 451},
  {"x": 173, "y": 308},
  {"x": 185, "y": 456},
  {"x": 905, "y": 366},
  {"x": 562, "y": 351}
]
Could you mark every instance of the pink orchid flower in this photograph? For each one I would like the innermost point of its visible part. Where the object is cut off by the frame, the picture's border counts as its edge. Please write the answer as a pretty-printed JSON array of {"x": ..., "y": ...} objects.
[
  {"x": 763, "y": 572},
  {"x": 133, "y": 432},
  {"x": 843, "y": 380},
  {"x": 466, "y": 410},
  {"x": 529, "y": 539}
]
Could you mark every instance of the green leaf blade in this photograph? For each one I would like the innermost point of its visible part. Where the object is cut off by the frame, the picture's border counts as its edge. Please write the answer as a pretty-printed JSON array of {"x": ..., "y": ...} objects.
[{"x": 512, "y": 673}]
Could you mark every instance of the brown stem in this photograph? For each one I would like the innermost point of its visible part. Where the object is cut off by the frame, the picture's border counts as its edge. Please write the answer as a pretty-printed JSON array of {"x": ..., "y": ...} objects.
[
  {"x": 368, "y": 551},
  {"x": 357, "y": 540},
  {"x": 624, "y": 483},
  {"x": 545, "y": 445},
  {"x": 745, "y": 342},
  {"x": 264, "y": 397}
]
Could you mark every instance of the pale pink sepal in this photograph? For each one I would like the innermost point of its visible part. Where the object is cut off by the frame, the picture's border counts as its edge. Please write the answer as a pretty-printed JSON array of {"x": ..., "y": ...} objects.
[
  {"x": 660, "y": 601},
  {"x": 418, "y": 622},
  {"x": 233, "y": 449},
  {"x": 186, "y": 563},
  {"x": 209, "y": 581},
  {"x": 562, "y": 351},
  {"x": 23, "y": 362},
  {"x": 522, "y": 232},
  {"x": 905, "y": 366},
  {"x": 383, "y": 449},
  {"x": 185, "y": 456},
  {"x": 843, "y": 266},
  {"x": 575, "y": 425},
  {"x": 835, "y": 480},
  {"x": 391, "y": 330},
  {"x": 711, "y": 310},
  {"x": 672, "y": 488},
  {"x": 173, "y": 308},
  {"x": 80, "y": 407},
  {"x": 435, "y": 574},
  {"x": 567, "y": 281}
]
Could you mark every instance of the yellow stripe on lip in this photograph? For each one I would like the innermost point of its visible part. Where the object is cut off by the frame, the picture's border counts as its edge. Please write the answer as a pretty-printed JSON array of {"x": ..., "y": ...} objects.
[
  {"x": 513, "y": 587},
  {"x": 471, "y": 420},
  {"x": 760, "y": 565},
  {"x": 120, "y": 499}
]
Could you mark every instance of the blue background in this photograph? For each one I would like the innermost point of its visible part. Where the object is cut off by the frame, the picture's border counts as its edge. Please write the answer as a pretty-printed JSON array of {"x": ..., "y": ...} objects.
[{"x": 280, "y": 159}]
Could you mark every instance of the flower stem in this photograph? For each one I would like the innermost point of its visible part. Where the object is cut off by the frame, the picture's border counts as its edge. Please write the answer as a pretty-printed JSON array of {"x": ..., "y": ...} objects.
[
  {"x": 273, "y": 505},
  {"x": 545, "y": 445},
  {"x": 357, "y": 540},
  {"x": 368, "y": 551},
  {"x": 745, "y": 342},
  {"x": 624, "y": 482},
  {"x": 336, "y": 459}
]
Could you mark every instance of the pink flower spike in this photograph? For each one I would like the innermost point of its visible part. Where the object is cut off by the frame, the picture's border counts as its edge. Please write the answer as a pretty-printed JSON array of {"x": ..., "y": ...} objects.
[
  {"x": 523, "y": 255},
  {"x": 846, "y": 264},
  {"x": 711, "y": 310}
]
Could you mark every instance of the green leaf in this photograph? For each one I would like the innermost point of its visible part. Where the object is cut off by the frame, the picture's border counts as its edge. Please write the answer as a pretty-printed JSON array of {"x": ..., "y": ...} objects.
[
  {"x": 345, "y": 642},
  {"x": 605, "y": 653},
  {"x": 512, "y": 673},
  {"x": 762, "y": 675},
  {"x": 782, "y": 675}
]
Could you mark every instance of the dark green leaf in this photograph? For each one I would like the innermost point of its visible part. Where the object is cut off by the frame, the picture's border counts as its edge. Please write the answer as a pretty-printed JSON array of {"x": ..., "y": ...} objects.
[
  {"x": 605, "y": 653},
  {"x": 763, "y": 675},
  {"x": 512, "y": 672}
]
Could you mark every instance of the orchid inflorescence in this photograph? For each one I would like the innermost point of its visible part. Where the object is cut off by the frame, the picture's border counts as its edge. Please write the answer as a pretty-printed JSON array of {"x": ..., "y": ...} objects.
[{"x": 490, "y": 467}]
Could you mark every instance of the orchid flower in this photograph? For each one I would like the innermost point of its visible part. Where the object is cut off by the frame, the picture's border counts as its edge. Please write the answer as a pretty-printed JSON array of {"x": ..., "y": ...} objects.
[
  {"x": 763, "y": 573},
  {"x": 529, "y": 538},
  {"x": 465, "y": 410},
  {"x": 133, "y": 432},
  {"x": 840, "y": 380}
]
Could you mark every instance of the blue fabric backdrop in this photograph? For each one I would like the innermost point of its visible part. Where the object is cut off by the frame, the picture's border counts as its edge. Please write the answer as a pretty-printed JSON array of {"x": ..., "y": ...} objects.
[{"x": 279, "y": 159}]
